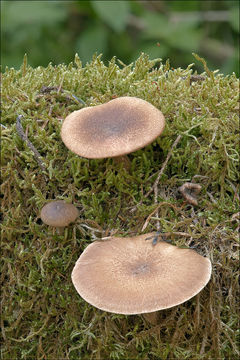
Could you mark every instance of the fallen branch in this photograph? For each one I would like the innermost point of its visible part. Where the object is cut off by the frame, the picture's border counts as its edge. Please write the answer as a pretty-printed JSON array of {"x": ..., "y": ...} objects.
[
  {"x": 156, "y": 209},
  {"x": 155, "y": 185},
  {"x": 24, "y": 137},
  {"x": 160, "y": 172},
  {"x": 159, "y": 236}
]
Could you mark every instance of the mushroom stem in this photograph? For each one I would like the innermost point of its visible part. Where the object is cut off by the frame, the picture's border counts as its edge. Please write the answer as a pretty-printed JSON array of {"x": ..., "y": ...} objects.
[
  {"x": 60, "y": 230},
  {"x": 124, "y": 160},
  {"x": 151, "y": 317}
]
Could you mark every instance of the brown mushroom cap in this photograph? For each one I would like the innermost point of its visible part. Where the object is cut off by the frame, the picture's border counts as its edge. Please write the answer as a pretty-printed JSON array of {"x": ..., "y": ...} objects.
[
  {"x": 116, "y": 128},
  {"x": 189, "y": 192},
  {"x": 59, "y": 213},
  {"x": 130, "y": 276}
]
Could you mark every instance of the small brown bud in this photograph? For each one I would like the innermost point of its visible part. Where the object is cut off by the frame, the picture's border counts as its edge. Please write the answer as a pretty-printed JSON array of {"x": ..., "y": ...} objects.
[{"x": 189, "y": 192}]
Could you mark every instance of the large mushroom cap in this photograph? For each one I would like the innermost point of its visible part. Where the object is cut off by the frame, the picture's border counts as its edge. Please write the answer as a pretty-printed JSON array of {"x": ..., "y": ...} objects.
[
  {"x": 130, "y": 276},
  {"x": 116, "y": 128},
  {"x": 58, "y": 213}
]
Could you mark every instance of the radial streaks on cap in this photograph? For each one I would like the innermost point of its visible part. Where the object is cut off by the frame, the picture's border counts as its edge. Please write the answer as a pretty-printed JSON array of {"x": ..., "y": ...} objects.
[
  {"x": 121, "y": 126},
  {"x": 130, "y": 276}
]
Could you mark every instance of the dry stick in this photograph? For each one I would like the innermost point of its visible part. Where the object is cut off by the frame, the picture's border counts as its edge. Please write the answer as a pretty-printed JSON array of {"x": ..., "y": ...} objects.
[
  {"x": 78, "y": 99},
  {"x": 31, "y": 335},
  {"x": 235, "y": 189},
  {"x": 153, "y": 212},
  {"x": 155, "y": 185},
  {"x": 204, "y": 342},
  {"x": 162, "y": 169},
  {"x": 24, "y": 137},
  {"x": 174, "y": 233},
  {"x": 60, "y": 86}
]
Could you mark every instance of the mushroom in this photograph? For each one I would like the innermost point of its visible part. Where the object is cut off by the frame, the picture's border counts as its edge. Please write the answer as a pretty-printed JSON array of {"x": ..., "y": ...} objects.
[
  {"x": 130, "y": 276},
  {"x": 189, "y": 192},
  {"x": 59, "y": 214},
  {"x": 113, "y": 129}
]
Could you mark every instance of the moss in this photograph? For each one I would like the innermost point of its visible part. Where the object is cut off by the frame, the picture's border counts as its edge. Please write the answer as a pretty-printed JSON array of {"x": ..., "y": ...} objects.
[{"x": 43, "y": 317}]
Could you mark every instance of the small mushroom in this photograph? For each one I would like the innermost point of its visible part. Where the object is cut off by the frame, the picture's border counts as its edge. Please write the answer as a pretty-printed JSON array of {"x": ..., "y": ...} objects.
[
  {"x": 189, "y": 192},
  {"x": 130, "y": 276},
  {"x": 113, "y": 129},
  {"x": 59, "y": 214}
]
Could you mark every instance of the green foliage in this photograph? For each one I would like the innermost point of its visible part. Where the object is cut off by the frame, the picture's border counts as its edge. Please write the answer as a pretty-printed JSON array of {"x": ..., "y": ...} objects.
[
  {"x": 115, "y": 14},
  {"x": 42, "y": 315},
  {"x": 24, "y": 13},
  {"x": 92, "y": 38},
  {"x": 185, "y": 38},
  {"x": 234, "y": 18},
  {"x": 56, "y": 30}
]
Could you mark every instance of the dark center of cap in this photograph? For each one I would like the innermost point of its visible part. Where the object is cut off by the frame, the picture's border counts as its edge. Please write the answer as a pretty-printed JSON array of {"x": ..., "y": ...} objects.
[{"x": 111, "y": 123}]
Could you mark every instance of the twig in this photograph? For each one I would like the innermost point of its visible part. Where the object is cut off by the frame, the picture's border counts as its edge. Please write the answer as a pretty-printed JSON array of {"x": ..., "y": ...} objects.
[
  {"x": 211, "y": 197},
  {"x": 47, "y": 89},
  {"x": 155, "y": 185},
  {"x": 31, "y": 335},
  {"x": 153, "y": 212},
  {"x": 60, "y": 86},
  {"x": 163, "y": 235},
  {"x": 163, "y": 168},
  {"x": 213, "y": 138},
  {"x": 78, "y": 99},
  {"x": 204, "y": 342},
  {"x": 24, "y": 137},
  {"x": 234, "y": 189},
  {"x": 199, "y": 177}
]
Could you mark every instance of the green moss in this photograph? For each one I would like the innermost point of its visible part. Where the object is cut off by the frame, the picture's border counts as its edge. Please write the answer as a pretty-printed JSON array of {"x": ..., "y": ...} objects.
[{"x": 43, "y": 316}]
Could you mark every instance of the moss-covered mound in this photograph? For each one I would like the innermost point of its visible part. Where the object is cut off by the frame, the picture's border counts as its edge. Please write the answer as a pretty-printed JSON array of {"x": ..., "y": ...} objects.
[{"x": 42, "y": 315}]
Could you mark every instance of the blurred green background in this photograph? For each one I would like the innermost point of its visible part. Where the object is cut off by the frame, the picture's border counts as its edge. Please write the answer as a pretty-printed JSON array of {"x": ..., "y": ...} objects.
[{"x": 53, "y": 31}]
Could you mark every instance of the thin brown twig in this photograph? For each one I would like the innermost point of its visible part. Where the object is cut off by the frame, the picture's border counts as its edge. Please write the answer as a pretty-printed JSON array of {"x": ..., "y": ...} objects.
[
  {"x": 175, "y": 233},
  {"x": 24, "y": 137},
  {"x": 155, "y": 185},
  {"x": 156, "y": 209},
  {"x": 160, "y": 172},
  {"x": 235, "y": 189},
  {"x": 32, "y": 334},
  {"x": 60, "y": 86},
  {"x": 204, "y": 343}
]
